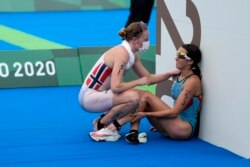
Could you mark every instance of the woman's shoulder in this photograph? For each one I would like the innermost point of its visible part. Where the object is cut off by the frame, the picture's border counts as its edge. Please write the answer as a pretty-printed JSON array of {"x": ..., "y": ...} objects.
[
  {"x": 193, "y": 83},
  {"x": 119, "y": 49},
  {"x": 193, "y": 79},
  {"x": 117, "y": 52}
]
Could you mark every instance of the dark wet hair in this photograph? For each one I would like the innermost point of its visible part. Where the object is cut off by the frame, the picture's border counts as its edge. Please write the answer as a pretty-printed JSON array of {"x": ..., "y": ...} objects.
[
  {"x": 134, "y": 29},
  {"x": 194, "y": 53}
]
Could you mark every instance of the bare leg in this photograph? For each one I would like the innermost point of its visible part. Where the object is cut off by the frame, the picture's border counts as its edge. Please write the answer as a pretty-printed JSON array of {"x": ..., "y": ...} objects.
[
  {"x": 127, "y": 117},
  {"x": 122, "y": 121},
  {"x": 142, "y": 107},
  {"x": 116, "y": 112},
  {"x": 172, "y": 127},
  {"x": 122, "y": 105}
]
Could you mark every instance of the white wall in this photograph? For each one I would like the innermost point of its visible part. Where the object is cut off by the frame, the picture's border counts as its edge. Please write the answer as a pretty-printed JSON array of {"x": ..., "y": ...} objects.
[{"x": 225, "y": 43}]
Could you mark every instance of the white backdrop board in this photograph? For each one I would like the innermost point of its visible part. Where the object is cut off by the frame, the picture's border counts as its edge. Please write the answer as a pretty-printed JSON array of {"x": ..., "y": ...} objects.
[{"x": 222, "y": 30}]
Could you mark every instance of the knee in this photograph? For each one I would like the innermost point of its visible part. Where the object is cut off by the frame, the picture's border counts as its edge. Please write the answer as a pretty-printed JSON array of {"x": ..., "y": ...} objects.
[
  {"x": 145, "y": 96},
  {"x": 133, "y": 97}
]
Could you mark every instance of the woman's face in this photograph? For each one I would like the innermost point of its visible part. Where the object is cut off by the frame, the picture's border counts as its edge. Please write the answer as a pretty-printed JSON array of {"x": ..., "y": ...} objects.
[
  {"x": 182, "y": 61},
  {"x": 143, "y": 38}
]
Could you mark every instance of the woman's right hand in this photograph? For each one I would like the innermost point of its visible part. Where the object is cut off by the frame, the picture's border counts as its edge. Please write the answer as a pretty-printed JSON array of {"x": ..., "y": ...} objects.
[
  {"x": 137, "y": 116},
  {"x": 144, "y": 81}
]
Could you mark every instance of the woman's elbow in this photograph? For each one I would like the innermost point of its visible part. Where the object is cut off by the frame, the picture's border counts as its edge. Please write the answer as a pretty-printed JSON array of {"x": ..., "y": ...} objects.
[
  {"x": 173, "y": 114},
  {"x": 116, "y": 89}
]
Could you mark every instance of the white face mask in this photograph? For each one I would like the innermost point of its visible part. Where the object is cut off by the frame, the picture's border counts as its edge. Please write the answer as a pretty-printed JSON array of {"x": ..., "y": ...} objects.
[{"x": 145, "y": 46}]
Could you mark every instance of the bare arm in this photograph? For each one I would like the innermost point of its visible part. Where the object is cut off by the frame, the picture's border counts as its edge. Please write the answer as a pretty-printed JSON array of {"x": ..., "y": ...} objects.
[
  {"x": 117, "y": 84},
  {"x": 156, "y": 78},
  {"x": 190, "y": 89},
  {"x": 141, "y": 71},
  {"x": 139, "y": 68}
]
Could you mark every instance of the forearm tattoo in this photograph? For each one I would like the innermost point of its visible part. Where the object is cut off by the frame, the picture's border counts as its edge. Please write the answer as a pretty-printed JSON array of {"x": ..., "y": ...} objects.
[
  {"x": 121, "y": 68},
  {"x": 185, "y": 98},
  {"x": 134, "y": 110}
]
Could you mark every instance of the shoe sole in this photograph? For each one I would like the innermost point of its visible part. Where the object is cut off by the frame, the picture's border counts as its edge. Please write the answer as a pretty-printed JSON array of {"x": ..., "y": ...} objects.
[
  {"x": 132, "y": 142},
  {"x": 106, "y": 138}
]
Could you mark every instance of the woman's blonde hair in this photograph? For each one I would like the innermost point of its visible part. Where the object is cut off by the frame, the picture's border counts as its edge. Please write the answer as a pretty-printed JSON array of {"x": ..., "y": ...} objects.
[{"x": 135, "y": 29}]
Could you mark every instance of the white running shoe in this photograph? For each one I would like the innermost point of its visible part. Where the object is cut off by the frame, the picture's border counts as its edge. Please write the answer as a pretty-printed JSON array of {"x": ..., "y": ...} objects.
[
  {"x": 105, "y": 134},
  {"x": 142, "y": 137},
  {"x": 134, "y": 138}
]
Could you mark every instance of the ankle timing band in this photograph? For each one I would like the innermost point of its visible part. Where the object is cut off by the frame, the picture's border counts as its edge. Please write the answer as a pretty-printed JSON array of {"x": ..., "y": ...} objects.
[
  {"x": 117, "y": 125},
  {"x": 99, "y": 124}
]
